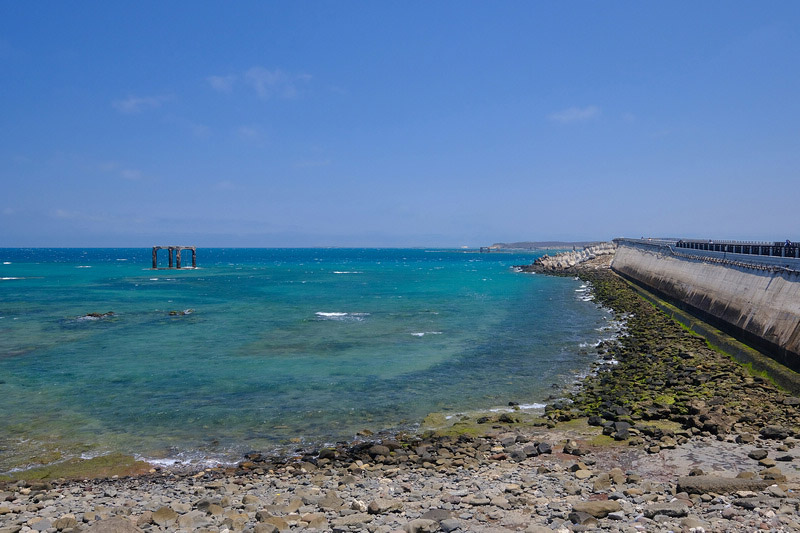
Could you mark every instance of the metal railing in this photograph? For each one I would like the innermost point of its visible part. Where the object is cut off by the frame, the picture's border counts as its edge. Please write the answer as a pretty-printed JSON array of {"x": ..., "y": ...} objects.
[{"x": 755, "y": 261}]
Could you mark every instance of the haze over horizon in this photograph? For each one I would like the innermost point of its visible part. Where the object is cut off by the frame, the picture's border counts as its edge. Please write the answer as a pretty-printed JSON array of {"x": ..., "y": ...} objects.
[{"x": 279, "y": 124}]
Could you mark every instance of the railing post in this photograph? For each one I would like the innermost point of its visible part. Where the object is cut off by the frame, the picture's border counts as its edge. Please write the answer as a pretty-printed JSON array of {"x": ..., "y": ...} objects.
[
  {"x": 178, "y": 257},
  {"x": 155, "y": 260},
  {"x": 170, "y": 256}
]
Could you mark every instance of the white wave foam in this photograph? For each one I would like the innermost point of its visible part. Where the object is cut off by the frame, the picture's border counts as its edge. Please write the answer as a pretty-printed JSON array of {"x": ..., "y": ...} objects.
[
  {"x": 423, "y": 333},
  {"x": 10, "y": 278},
  {"x": 347, "y": 272},
  {"x": 338, "y": 315},
  {"x": 83, "y": 266},
  {"x": 6, "y": 262},
  {"x": 522, "y": 407},
  {"x": 181, "y": 459}
]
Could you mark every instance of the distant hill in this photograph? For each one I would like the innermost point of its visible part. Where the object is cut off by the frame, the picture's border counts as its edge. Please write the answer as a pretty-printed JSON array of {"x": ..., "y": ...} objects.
[{"x": 541, "y": 245}]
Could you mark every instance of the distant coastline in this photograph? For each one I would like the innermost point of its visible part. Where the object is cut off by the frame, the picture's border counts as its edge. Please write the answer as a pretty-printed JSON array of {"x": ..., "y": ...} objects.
[{"x": 542, "y": 245}]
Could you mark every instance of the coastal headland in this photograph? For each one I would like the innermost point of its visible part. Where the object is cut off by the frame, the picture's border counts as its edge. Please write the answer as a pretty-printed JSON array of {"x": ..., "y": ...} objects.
[{"x": 665, "y": 434}]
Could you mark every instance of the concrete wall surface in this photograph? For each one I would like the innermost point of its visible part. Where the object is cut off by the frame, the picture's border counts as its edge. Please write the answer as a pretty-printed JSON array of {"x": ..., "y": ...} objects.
[{"x": 761, "y": 305}]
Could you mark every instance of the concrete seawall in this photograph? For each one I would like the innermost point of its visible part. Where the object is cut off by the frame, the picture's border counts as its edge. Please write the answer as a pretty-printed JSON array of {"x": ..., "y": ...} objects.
[{"x": 758, "y": 303}]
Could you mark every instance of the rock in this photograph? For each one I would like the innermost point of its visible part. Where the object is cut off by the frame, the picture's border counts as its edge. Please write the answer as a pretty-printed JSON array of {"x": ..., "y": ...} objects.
[
  {"x": 265, "y": 528},
  {"x": 583, "y": 474},
  {"x": 379, "y": 449},
  {"x": 772, "y": 474},
  {"x": 247, "y": 499},
  {"x": 695, "y": 523},
  {"x": 745, "y": 438},
  {"x": 331, "y": 501},
  {"x": 327, "y": 453},
  {"x": 544, "y": 448},
  {"x": 758, "y": 502},
  {"x": 114, "y": 525},
  {"x": 352, "y": 519},
  {"x": 383, "y": 506},
  {"x": 767, "y": 462},
  {"x": 758, "y": 454},
  {"x": 595, "y": 420},
  {"x": 164, "y": 516},
  {"x": 582, "y": 519},
  {"x": 517, "y": 453},
  {"x": 421, "y": 525},
  {"x": 278, "y": 523},
  {"x": 439, "y": 515},
  {"x": 508, "y": 418},
  {"x": 776, "y": 432},
  {"x": 40, "y": 524},
  {"x": 65, "y": 522},
  {"x": 598, "y": 509},
  {"x": 719, "y": 485},
  {"x": 531, "y": 450},
  {"x": 192, "y": 520},
  {"x": 451, "y": 524},
  {"x": 671, "y": 509}
]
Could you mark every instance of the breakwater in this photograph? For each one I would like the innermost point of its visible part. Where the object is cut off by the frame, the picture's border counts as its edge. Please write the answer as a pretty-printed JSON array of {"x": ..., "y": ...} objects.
[
  {"x": 566, "y": 260},
  {"x": 752, "y": 298}
]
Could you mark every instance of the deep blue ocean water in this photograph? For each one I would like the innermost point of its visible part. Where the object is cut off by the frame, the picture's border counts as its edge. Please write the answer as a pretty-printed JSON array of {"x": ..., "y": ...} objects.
[{"x": 259, "y": 348}]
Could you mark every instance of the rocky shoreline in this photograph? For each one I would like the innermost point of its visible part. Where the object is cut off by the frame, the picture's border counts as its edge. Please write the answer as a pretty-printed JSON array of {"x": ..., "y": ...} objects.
[{"x": 665, "y": 434}]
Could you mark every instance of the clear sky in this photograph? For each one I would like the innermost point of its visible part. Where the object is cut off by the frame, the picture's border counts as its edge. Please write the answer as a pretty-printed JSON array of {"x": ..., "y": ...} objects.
[{"x": 402, "y": 123}]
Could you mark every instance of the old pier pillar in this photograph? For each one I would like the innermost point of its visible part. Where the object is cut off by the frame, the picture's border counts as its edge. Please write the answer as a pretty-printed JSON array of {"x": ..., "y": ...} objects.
[{"x": 176, "y": 262}]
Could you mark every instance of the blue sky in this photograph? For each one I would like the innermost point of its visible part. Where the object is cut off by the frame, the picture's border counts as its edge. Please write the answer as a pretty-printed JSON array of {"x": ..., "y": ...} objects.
[{"x": 441, "y": 123}]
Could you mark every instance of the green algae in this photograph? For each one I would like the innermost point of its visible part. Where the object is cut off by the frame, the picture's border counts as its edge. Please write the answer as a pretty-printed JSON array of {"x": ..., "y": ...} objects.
[{"x": 105, "y": 466}]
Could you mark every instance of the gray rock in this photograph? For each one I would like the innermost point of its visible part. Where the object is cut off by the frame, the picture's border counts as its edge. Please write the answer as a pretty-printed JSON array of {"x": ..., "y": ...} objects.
[
  {"x": 440, "y": 515},
  {"x": 776, "y": 432},
  {"x": 582, "y": 519},
  {"x": 114, "y": 525},
  {"x": 421, "y": 525},
  {"x": 331, "y": 501},
  {"x": 758, "y": 454},
  {"x": 671, "y": 509},
  {"x": 382, "y": 506},
  {"x": 164, "y": 516},
  {"x": 41, "y": 525},
  {"x": 598, "y": 509},
  {"x": 720, "y": 485},
  {"x": 379, "y": 449},
  {"x": 352, "y": 519},
  {"x": 759, "y": 501},
  {"x": 451, "y": 524}
]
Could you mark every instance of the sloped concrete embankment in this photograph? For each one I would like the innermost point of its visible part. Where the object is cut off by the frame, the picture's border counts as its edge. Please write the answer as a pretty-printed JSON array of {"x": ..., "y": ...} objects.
[{"x": 760, "y": 306}]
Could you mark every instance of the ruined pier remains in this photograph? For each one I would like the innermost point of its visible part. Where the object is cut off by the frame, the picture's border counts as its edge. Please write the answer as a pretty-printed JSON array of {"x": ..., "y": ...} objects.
[{"x": 177, "y": 251}]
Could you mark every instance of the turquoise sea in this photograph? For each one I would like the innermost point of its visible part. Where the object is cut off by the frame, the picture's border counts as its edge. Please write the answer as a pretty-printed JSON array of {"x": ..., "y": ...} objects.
[{"x": 258, "y": 349}]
